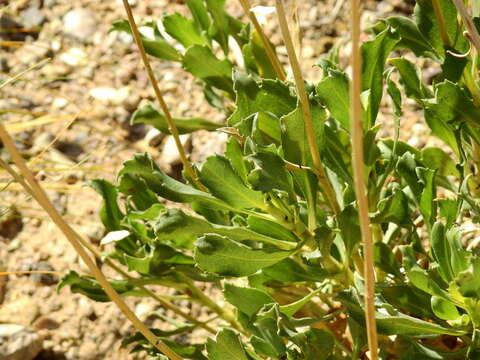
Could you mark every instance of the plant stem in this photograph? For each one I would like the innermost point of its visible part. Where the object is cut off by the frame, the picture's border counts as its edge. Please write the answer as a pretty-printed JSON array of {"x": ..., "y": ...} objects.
[
  {"x": 266, "y": 44},
  {"x": 437, "y": 9},
  {"x": 41, "y": 197},
  {"x": 223, "y": 312},
  {"x": 474, "y": 37},
  {"x": 168, "y": 116},
  {"x": 307, "y": 114},
  {"x": 359, "y": 176}
]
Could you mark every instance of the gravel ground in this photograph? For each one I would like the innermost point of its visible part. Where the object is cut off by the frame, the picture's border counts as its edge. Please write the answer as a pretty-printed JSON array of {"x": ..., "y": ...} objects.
[{"x": 83, "y": 98}]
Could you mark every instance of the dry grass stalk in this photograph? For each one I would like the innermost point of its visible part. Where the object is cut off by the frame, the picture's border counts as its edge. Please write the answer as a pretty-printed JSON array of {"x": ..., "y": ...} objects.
[
  {"x": 158, "y": 93},
  {"x": 359, "y": 177},
  {"x": 268, "y": 48},
  {"x": 307, "y": 114}
]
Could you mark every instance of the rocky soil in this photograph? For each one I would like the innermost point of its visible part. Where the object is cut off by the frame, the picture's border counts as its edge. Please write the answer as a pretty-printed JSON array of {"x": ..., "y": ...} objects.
[{"x": 70, "y": 117}]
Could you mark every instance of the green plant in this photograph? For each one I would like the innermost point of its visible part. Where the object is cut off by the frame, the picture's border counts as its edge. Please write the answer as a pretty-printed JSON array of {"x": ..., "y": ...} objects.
[{"x": 274, "y": 222}]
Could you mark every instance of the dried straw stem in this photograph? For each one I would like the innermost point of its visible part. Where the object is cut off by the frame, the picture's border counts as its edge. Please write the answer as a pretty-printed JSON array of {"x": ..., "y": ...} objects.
[
  {"x": 168, "y": 116},
  {"x": 307, "y": 114},
  {"x": 277, "y": 66},
  {"x": 359, "y": 173}
]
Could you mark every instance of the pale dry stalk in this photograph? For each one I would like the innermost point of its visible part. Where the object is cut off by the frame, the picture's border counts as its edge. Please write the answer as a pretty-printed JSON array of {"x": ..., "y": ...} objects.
[
  {"x": 319, "y": 169},
  {"x": 277, "y": 66},
  {"x": 359, "y": 177},
  {"x": 158, "y": 93}
]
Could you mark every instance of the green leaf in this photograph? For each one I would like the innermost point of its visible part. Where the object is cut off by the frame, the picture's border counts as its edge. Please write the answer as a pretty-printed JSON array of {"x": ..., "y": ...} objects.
[
  {"x": 227, "y": 345},
  {"x": 269, "y": 173},
  {"x": 333, "y": 92},
  {"x": 396, "y": 323},
  {"x": 444, "y": 309},
  {"x": 157, "y": 47},
  {"x": 385, "y": 259},
  {"x": 202, "y": 63},
  {"x": 393, "y": 208},
  {"x": 247, "y": 300},
  {"x": 270, "y": 228},
  {"x": 418, "y": 351},
  {"x": 421, "y": 279},
  {"x": 223, "y": 256},
  {"x": 266, "y": 129},
  {"x": 199, "y": 13},
  {"x": 460, "y": 258},
  {"x": 410, "y": 78},
  {"x": 375, "y": 54},
  {"x": 441, "y": 251},
  {"x": 268, "y": 95},
  {"x": 167, "y": 187},
  {"x": 137, "y": 191},
  {"x": 149, "y": 115},
  {"x": 294, "y": 136},
  {"x": 467, "y": 280},
  {"x": 220, "y": 22},
  {"x": 91, "y": 288},
  {"x": 234, "y": 153},
  {"x": 292, "y": 308},
  {"x": 316, "y": 344},
  {"x": 222, "y": 181},
  {"x": 183, "y": 30},
  {"x": 428, "y": 25},
  {"x": 437, "y": 159},
  {"x": 453, "y": 66},
  {"x": 110, "y": 213},
  {"x": 349, "y": 228},
  {"x": 448, "y": 209},
  {"x": 154, "y": 260},
  {"x": 408, "y": 299},
  {"x": 454, "y": 104},
  {"x": 181, "y": 230},
  {"x": 427, "y": 205},
  {"x": 260, "y": 59},
  {"x": 290, "y": 271},
  {"x": 411, "y": 37},
  {"x": 337, "y": 153}
]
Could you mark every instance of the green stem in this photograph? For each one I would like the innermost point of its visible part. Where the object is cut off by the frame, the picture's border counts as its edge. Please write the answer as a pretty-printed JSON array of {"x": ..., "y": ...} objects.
[
  {"x": 441, "y": 22},
  {"x": 223, "y": 312}
]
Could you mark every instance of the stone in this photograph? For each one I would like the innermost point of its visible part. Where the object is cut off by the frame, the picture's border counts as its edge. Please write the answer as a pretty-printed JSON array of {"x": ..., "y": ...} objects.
[
  {"x": 46, "y": 323},
  {"x": 21, "y": 312},
  {"x": 10, "y": 224},
  {"x": 43, "y": 279},
  {"x": 80, "y": 23},
  {"x": 33, "y": 17},
  {"x": 19, "y": 343},
  {"x": 41, "y": 141},
  {"x": 170, "y": 153},
  {"x": 110, "y": 95},
  {"x": 74, "y": 57},
  {"x": 154, "y": 137},
  {"x": 33, "y": 52}
]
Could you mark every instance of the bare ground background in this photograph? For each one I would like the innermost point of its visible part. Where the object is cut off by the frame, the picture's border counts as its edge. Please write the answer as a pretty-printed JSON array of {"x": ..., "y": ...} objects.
[{"x": 70, "y": 117}]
